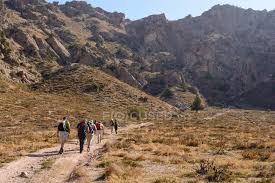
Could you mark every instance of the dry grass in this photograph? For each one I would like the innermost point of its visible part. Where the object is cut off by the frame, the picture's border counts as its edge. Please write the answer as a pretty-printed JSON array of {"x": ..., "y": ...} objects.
[
  {"x": 233, "y": 146},
  {"x": 261, "y": 155},
  {"x": 241, "y": 143},
  {"x": 79, "y": 175},
  {"x": 47, "y": 164},
  {"x": 29, "y": 118}
]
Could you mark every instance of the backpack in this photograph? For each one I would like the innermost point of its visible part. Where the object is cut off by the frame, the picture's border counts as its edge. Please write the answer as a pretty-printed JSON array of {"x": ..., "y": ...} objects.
[
  {"x": 91, "y": 128},
  {"x": 97, "y": 126},
  {"x": 112, "y": 123},
  {"x": 61, "y": 127},
  {"x": 81, "y": 128},
  {"x": 66, "y": 125}
]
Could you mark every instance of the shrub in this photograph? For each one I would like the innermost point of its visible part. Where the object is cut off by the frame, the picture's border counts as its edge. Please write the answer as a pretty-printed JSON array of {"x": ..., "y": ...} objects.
[
  {"x": 167, "y": 93},
  {"x": 103, "y": 164},
  {"x": 256, "y": 154},
  {"x": 184, "y": 86},
  {"x": 197, "y": 104},
  {"x": 220, "y": 147},
  {"x": 99, "y": 40},
  {"x": 122, "y": 53},
  {"x": 164, "y": 180},
  {"x": 6, "y": 46},
  {"x": 263, "y": 181},
  {"x": 112, "y": 67},
  {"x": 94, "y": 87},
  {"x": 129, "y": 162},
  {"x": 213, "y": 172},
  {"x": 136, "y": 112}
]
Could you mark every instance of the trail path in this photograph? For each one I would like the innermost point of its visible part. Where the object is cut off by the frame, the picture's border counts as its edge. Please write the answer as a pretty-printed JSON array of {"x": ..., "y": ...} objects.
[
  {"x": 47, "y": 166},
  {"x": 217, "y": 115}
]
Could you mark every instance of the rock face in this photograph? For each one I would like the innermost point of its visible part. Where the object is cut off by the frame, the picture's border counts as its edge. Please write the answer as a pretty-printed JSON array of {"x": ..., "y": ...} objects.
[
  {"x": 59, "y": 49},
  {"x": 45, "y": 49},
  {"x": 127, "y": 77},
  {"x": 225, "y": 52},
  {"x": 25, "y": 40}
]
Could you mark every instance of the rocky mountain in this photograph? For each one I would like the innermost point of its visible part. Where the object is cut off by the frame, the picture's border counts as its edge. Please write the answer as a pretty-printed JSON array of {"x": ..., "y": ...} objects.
[{"x": 226, "y": 54}]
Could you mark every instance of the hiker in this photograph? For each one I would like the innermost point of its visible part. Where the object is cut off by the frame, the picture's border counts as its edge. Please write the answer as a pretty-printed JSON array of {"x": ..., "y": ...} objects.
[
  {"x": 112, "y": 124},
  {"x": 91, "y": 131},
  {"x": 115, "y": 126},
  {"x": 82, "y": 129},
  {"x": 100, "y": 130},
  {"x": 63, "y": 131}
]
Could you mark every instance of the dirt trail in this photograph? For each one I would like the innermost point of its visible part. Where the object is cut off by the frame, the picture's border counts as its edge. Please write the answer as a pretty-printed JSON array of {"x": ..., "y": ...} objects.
[
  {"x": 47, "y": 165},
  {"x": 217, "y": 115}
]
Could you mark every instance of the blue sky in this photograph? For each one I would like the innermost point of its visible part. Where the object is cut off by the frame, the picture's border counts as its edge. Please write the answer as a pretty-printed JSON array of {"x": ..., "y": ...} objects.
[{"x": 174, "y": 9}]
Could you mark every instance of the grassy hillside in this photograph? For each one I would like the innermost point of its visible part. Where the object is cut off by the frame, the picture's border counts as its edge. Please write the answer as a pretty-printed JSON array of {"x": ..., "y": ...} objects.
[{"x": 29, "y": 115}]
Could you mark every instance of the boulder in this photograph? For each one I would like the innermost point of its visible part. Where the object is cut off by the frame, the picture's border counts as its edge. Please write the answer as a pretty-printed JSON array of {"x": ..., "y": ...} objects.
[{"x": 24, "y": 175}]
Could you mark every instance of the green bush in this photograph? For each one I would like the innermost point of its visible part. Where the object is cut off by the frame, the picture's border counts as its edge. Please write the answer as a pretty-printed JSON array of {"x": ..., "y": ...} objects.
[
  {"x": 112, "y": 67},
  {"x": 99, "y": 40},
  {"x": 184, "y": 86},
  {"x": 136, "y": 112},
  {"x": 122, "y": 53},
  {"x": 94, "y": 87},
  {"x": 167, "y": 93},
  {"x": 197, "y": 104}
]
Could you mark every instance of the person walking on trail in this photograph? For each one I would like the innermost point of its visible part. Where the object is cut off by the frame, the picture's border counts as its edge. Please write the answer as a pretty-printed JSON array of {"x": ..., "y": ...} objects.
[
  {"x": 82, "y": 129},
  {"x": 91, "y": 131},
  {"x": 112, "y": 124},
  {"x": 116, "y": 126},
  {"x": 63, "y": 131},
  {"x": 99, "y": 131}
]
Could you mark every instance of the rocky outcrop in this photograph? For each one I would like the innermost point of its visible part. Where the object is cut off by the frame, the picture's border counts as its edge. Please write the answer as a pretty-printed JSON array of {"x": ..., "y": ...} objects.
[
  {"x": 20, "y": 5},
  {"x": 117, "y": 19},
  {"x": 25, "y": 40},
  {"x": 225, "y": 52},
  {"x": 127, "y": 77},
  {"x": 45, "y": 49},
  {"x": 84, "y": 55},
  {"x": 60, "y": 49},
  {"x": 66, "y": 35}
]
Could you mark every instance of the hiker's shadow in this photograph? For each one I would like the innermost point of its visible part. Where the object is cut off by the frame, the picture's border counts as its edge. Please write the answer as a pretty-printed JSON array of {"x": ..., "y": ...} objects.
[{"x": 52, "y": 153}]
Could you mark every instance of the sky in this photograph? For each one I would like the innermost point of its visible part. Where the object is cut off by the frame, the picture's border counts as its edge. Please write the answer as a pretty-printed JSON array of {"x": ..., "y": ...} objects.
[{"x": 173, "y": 9}]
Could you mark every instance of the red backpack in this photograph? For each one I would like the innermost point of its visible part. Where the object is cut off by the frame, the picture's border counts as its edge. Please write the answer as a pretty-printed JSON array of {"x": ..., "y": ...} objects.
[{"x": 97, "y": 126}]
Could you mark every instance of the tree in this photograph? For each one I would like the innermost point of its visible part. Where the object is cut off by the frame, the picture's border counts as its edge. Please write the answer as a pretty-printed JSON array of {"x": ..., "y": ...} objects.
[{"x": 197, "y": 104}]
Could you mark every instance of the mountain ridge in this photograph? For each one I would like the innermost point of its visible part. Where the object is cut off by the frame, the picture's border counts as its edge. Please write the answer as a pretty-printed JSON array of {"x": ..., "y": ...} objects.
[{"x": 222, "y": 54}]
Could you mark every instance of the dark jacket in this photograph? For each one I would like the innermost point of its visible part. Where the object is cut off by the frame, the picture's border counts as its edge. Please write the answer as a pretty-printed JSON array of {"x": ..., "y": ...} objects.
[{"x": 82, "y": 129}]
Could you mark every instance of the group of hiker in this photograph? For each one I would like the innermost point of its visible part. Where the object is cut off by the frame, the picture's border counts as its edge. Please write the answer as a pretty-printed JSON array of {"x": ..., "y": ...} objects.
[{"x": 86, "y": 129}]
